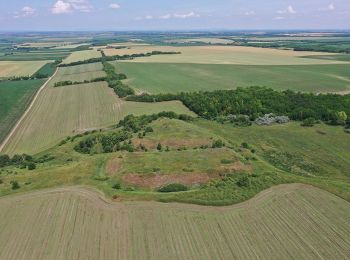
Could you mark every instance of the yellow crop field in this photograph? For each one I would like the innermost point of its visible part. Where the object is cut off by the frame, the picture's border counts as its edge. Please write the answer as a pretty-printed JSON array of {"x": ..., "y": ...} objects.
[
  {"x": 82, "y": 55},
  {"x": 19, "y": 68},
  {"x": 285, "y": 222},
  {"x": 222, "y": 55},
  {"x": 204, "y": 40}
]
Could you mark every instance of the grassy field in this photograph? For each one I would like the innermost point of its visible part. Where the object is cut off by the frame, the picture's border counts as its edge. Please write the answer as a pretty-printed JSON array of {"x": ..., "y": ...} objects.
[
  {"x": 19, "y": 68},
  {"x": 223, "y": 55},
  {"x": 173, "y": 78},
  {"x": 79, "y": 73},
  {"x": 82, "y": 55},
  {"x": 14, "y": 98},
  {"x": 317, "y": 151},
  {"x": 293, "y": 221}
]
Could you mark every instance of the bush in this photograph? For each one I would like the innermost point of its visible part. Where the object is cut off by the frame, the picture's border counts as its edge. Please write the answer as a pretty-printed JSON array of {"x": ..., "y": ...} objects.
[
  {"x": 15, "y": 185},
  {"x": 116, "y": 186},
  {"x": 174, "y": 187},
  {"x": 31, "y": 166},
  {"x": 244, "y": 181},
  {"x": 218, "y": 144},
  {"x": 308, "y": 122}
]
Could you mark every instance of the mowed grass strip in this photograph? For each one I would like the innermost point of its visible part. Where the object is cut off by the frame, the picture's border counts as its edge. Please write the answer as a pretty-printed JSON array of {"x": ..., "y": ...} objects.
[
  {"x": 223, "y": 55},
  {"x": 66, "y": 111},
  {"x": 19, "y": 68},
  {"x": 285, "y": 222},
  {"x": 82, "y": 55},
  {"x": 174, "y": 78}
]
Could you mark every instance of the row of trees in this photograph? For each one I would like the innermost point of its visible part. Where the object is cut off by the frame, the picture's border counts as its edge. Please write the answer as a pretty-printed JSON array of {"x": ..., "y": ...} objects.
[
  {"x": 69, "y": 82},
  {"x": 114, "y": 81},
  {"x": 117, "y": 57},
  {"x": 257, "y": 101},
  {"x": 105, "y": 143},
  {"x": 21, "y": 161}
]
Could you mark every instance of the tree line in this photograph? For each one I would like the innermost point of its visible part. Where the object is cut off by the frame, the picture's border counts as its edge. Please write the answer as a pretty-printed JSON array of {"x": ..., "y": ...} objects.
[
  {"x": 114, "y": 81},
  {"x": 105, "y": 58},
  {"x": 257, "y": 101},
  {"x": 69, "y": 82}
]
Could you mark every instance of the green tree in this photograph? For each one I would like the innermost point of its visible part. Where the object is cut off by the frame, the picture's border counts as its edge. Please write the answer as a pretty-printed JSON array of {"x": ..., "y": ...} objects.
[{"x": 341, "y": 117}]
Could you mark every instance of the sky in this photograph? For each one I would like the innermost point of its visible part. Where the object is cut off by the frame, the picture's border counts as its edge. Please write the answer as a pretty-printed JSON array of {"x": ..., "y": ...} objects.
[{"x": 119, "y": 15}]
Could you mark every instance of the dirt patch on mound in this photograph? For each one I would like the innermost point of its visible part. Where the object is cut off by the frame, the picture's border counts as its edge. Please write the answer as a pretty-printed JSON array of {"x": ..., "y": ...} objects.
[
  {"x": 174, "y": 143},
  {"x": 158, "y": 180},
  {"x": 113, "y": 166}
]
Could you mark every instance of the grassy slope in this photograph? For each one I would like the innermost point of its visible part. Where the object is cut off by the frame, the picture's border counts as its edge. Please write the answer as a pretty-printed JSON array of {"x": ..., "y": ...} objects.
[
  {"x": 285, "y": 222},
  {"x": 165, "y": 78},
  {"x": 14, "y": 98}
]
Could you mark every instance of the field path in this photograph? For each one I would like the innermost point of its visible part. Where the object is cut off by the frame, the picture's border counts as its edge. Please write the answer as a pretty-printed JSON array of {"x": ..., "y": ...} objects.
[
  {"x": 26, "y": 112},
  {"x": 293, "y": 221}
]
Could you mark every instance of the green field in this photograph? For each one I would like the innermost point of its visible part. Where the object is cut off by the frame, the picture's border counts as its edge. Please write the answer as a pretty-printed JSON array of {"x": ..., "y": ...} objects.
[
  {"x": 285, "y": 222},
  {"x": 15, "y": 96},
  {"x": 173, "y": 78}
]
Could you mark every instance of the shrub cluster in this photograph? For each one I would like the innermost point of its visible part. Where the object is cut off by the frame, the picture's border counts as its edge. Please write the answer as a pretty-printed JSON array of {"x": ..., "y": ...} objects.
[
  {"x": 105, "y": 143},
  {"x": 21, "y": 161},
  {"x": 174, "y": 187},
  {"x": 69, "y": 83}
]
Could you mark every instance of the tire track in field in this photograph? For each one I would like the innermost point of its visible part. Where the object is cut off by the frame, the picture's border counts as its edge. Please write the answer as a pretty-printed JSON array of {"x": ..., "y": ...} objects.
[{"x": 7, "y": 139}]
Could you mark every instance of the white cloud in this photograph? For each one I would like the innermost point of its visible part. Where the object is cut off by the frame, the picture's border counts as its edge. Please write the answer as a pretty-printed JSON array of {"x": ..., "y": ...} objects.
[
  {"x": 331, "y": 6},
  {"x": 169, "y": 16},
  {"x": 186, "y": 15},
  {"x": 165, "y": 17},
  {"x": 61, "y": 7},
  {"x": 114, "y": 6},
  {"x": 26, "y": 11},
  {"x": 68, "y": 6},
  {"x": 289, "y": 10},
  {"x": 279, "y": 18},
  {"x": 250, "y": 13}
]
